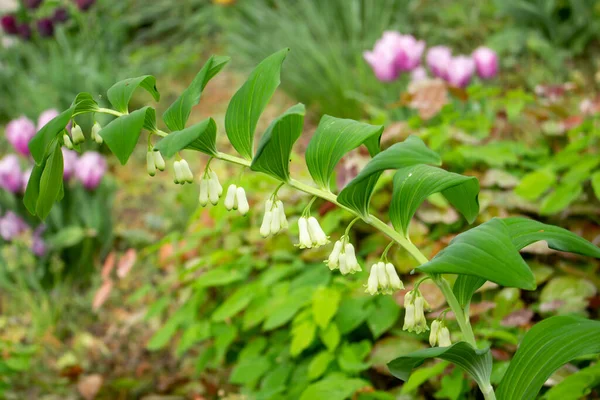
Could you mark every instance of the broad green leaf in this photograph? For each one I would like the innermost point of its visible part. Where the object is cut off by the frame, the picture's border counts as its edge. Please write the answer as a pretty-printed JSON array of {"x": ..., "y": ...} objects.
[
  {"x": 330, "y": 336},
  {"x": 524, "y": 231},
  {"x": 476, "y": 362},
  {"x": 51, "y": 183},
  {"x": 412, "y": 186},
  {"x": 351, "y": 356},
  {"x": 201, "y": 137},
  {"x": 318, "y": 365},
  {"x": 120, "y": 93},
  {"x": 333, "y": 138},
  {"x": 84, "y": 103},
  {"x": 546, "y": 347},
  {"x": 535, "y": 184},
  {"x": 66, "y": 237},
  {"x": 275, "y": 381},
  {"x": 194, "y": 334},
  {"x": 163, "y": 336},
  {"x": 249, "y": 371},
  {"x": 464, "y": 288},
  {"x": 248, "y": 103},
  {"x": 595, "y": 179},
  {"x": 273, "y": 154},
  {"x": 577, "y": 386},
  {"x": 178, "y": 113},
  {"x": 487, "y": 252},
  {"x": 325, "y": 302},
  {"x": 302, "y": 336},
  {"x": 224, "y": 336},
  {"x": 353, "y": 311},
  {"x": 422, "y": 375},
  {"x": 284, "y": 311},
  {"x": 334, "y": 388},
  {"x": 384, "y": 316},
  {"x": 40, "y": 143},
  {"x": 32, "y": 191},
  {"x": 561, "y": 198},
  {"x": 357, "y": 194},
  {"x": 234, "y": 303},
  {"x": 219, "y": 277},
  {"x": 121, "y": 134}
]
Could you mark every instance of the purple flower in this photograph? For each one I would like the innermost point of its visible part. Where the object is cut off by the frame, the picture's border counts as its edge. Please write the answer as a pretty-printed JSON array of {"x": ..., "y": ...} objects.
[
  {"x": 89, "y": 169},
  {"x": 9, "y": 24},
  {"x": 460, "y": 71},
  {"x": 70, "y": 161},
  {"x": 394, "y": 53},
  {"x": 60, "y": 15},
  {"x": 84, "y": 5},
  {"x": 46, "y": 117},
  {"x": 24, "y": 31},
  {"x": 38, "y": 246},
  {"x": 418, "y": 74},
  {"x": 11, "y": 178},
  {"x": 11, "y": 225},
  {"x": 45, "y": 27},
  {"x": 438, "y": 58},
  {"x": 19, "y": 132},
  {"x": 409, "y": 53},
  {"x": 486, "y": 62},
  {"x": 32, "y": 4}
]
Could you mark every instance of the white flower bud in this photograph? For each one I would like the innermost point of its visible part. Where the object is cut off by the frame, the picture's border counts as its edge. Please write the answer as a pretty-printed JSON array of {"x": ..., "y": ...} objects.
[
  {"x": 382, "y": 277},
  {"x": 214, "y": 176},
  {"x": 342, "y": 260},
  {"x": 67, "y": 141},
  {"x": 334, "y": 258},
  {"x": 230, "y": 202},
  {"x": 282, "y": 217},
  {"x": 395, "y": 282},
  {"x": 150, "y": 167},
  {"x": 420, "y": 321},
  {"x": 203, "y": 199},
  {"x": 186, "y": 172},
  {"x": 351, "y": 260},
  {"x": 242, "y": 201},
  {"x": 95, "y": 133},
  {"x": 433, "y": 335},
  {"x": 77, "y": 134},
  {"x": 178, "y": 173},
  {"x": 159, "y": 161},
  {"x": 265, "y": 228},
  {"x": 268, "y": 205},
  {"x": 373, "y": 282},
  {"x": 304, "y": 240},
  {"x": 409, "y": 317},
  {"x": 444, "y": 337},
  {"x": 275, "y": 221},
  {"x": 317, "y": 235},
  {"x": 213, "y": 190}
]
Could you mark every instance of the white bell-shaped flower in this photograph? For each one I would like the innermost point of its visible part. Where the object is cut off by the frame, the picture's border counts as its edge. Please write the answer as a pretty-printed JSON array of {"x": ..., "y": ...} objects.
[
  {"x": 77, "y": 134},
  {"x": 304, "y": 241},
  {"x": 334, "y": 258},
  {"x": 178, "y": 173},
  {"x": 150, "y": 166},
  {"x": 394, "y": 279},
  {"x": 434, "y": 333},
  {"x": 230, "y": 198},
  {"x": 265, "y": 228},
  {"x": 388, "y": 280},
  {"x": 67, "y": 141},
  {"x": 95, "y": 133},
  {"x": 159, "y": 161},
  {"x": 414, "y": 318},
  {"x": 203, "y": 198},
  {"x": 444, "y": 337},
  {"x": 373, "y": 282},
  {"x": 242, "y": 201},
  {"x": 439, "y": 335},
  {"x": 214, "y": 187},
  {"x": 282, "y": 218},
  {"x": 186, "y": 172},
  {"x": 317, "y": 236}
]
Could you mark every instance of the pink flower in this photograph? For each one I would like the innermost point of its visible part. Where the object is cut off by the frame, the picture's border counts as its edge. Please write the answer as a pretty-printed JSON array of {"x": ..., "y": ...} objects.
[
  {"x": 460, "y": 71},
  {"x": 46, "y": 117},
  {"x": 438, "y": 58},
  {"x": 486, "y": 62},
  {"x": 19, "y": 132},
  {"x": 11, "y": 225},
  {"x": 394, "y": 53},
  {"x": 69, "y": 161},
  {"x": 418, "y": 74},
  {"x": 11, "y": 178},
  {"x": 409, "y": 53},
  {"x": 90, "y": 168}
]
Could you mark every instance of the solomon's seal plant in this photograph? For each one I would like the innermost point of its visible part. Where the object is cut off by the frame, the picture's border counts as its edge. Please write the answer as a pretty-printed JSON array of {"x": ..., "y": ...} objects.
[{"x": 488, "y": 252}]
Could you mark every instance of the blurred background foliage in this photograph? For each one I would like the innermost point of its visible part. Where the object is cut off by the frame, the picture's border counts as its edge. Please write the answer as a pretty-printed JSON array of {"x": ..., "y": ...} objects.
[{"x": 152, "y": 295}]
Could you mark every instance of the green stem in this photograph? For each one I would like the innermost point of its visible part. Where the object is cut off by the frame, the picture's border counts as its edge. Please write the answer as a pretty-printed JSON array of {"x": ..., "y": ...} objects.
[
  {"x": 461, "y": 318},
  {"x": 355, "y": 220}
]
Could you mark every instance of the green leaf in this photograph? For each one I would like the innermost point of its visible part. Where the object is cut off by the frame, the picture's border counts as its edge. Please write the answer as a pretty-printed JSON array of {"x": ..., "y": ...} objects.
[
  {"x": 318, "y": 365},
  {"x": 422, "y": 375},
  {"x": 325, "y": 302},
  {"x": 545, "y": 348},
  {"x": 595, "y": 179},
  {"x": 249, "y": 371},
  {"x": 273, "y": 153},
  {"x": 178, "y": 113},
  {"x": 412, "y": 185},
  {"x": 84, "y": 103},
  {"x": 120, "y": 93},
  {"x": 333, "y": 138},
  {"x": 384, "y": 316},
  {"x": 561, "y": 198},
  {"x": 524, "y": 231},
  {"x": 334, "y": 388},
  {"x": 464, "y": 288},
  {"x": 357, "y": 194},
  {"x": 51, "y": 183},
  {"x": 196, "y": 333},
  {"x": 163, "y": 336},
  {"x": 201, "y": 137},
  {"x": 487, "y": 252},
  {"x": 219, "y": 277},
  {"x": 224, "y": 336},
  {"x": 40, "y": 143},
  {"x": 535, "y": 184},
  {"x": 234, "y": 303},
  {"x": 330, "y": 336},
  {"x": 32, "y": 192},
  {"x": 476, "y": 362},
  {"x": 248, "y": 103},
  {"x": 577, "y": 386},
  {"x": 66, "y": 237},
  {"x": 351, "y": 356},
  {"x": 302, "y": 336},
  {"x": 352, "y": 312},
  {"x": 121, "y": 134}
]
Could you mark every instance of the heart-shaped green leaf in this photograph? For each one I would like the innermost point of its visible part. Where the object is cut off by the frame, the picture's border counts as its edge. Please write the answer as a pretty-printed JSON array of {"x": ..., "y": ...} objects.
[
  {"x": 178, "y": 113},
  {"x": 273, "y": 153},
  {"x": 120, "y": 93},
  {"x": 412, "y": 185},
  {"x": 333, "y": 138},
  {"x": 248, "y": 103},
  {"x": 201, "y": 137},
  {"x": 476, "y": 362},
  {"x": 357, "y": 194},
  {"x": 546, "y": 347},
  {"x": 121, "y": 134},
  {"x": 46, "y": 136},
  {"x": 487, "y": 252}
]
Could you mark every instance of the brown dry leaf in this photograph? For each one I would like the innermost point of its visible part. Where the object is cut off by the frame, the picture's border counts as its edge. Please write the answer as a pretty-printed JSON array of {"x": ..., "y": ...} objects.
[
  {"x": 102, "y": 294},
  {"x": 428, "y": 97},
  {"x": 126, "y": 262},
  {"x": 109, "y": 264},
  {"x": 89, "y": 386},
  {"x": 518, "y": 318}
]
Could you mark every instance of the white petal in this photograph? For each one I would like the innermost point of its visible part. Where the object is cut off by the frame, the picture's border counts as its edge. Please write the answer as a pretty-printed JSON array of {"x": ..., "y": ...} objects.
[
  {"x": 382, "y": 277},
  {"x": 317, "y": 235},
  {"x": 242, "y": 201},
  {"x": 150, "y": 166},
  {"x": 409, "y": 317},
  {"x": 265, "y": 228},
  {"x": 433, "y": 335},
  {"x": 230, "y": 197},
  {"x": 203, "y": 199},
  {"x": 343, "y": 264},
  {"x": 334, "y": 257},
  {"x": 372, "y": 283},
  {"x": 187, "y": 172},
  {"x": 395, "y": 282},
  {"x": 159, "y": 161},
  {"x": 269, "y": 205},
  {"x": 282, "y": 217},
  {"x": 214, "y": 176},
  {"x": 178, "y": 174},
  {"x": 420, "y": 321},
  {"x": 304, "y": 241},
  {"x": 213, "y": 191},
  {"x": 444, "y": 337},
  {"x": 409, "y": 298},
  {"x": 351, "y": 260}
]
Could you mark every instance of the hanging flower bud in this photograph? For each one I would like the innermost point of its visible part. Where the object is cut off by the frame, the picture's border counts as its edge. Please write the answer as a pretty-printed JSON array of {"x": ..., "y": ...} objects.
[
  {"x": 203, "y": 199},
  {"x": 242, "y": 201},
  {"x": 67, "y": 141},
  {"x": 395, "y": 282},
  {"x": 343, "y": 262},
  {"x": 213, "y": 176},
  {"x": 304, "y": 241},
  {"x": 373, "y": 282},
  {"x": 265, "y": 228},
  {"x": 150, "y": 166},
  {"x": 433, "y": 334},
  {"x": 351, "y": 261},
  {"x": 414, "y": 320},
  {"x": 186, "y": 172},
  {"x": 317, "y": 236},
  {"x": 178, "y": 176},
  {"x": 444, "y": 337},
  {"x": 77, "y": 134},
  {"x": 440, "y": 335},
  {"x": 387, "y": 280},
  {"x": 159, "y": 161},
  {"x": 275, "y": 221},
  {"x": 95, "y": 133},
  {"x": 214, "y": 189},
  {"x": 230, "y": 203},
  {"x": 282, "y": 217},
  {"x": 334, "y": 258}
]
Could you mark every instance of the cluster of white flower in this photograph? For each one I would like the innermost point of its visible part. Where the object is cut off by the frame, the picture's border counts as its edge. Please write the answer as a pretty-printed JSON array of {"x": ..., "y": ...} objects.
[
  {"x": 439, "y": 335},
  {"x": 414, "y": 305},
  {"x": 183, "y": 173},
  {"x": 311, "y": 234},
  {"x": 210, "y": 189},
  {"x": 383, "y": 279},
  {"x": 236, "y": 199},
  {"x": 154, "y": 161},
  {"x": 274, "y": 219},
  {"x": 343, "y": 257}
]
